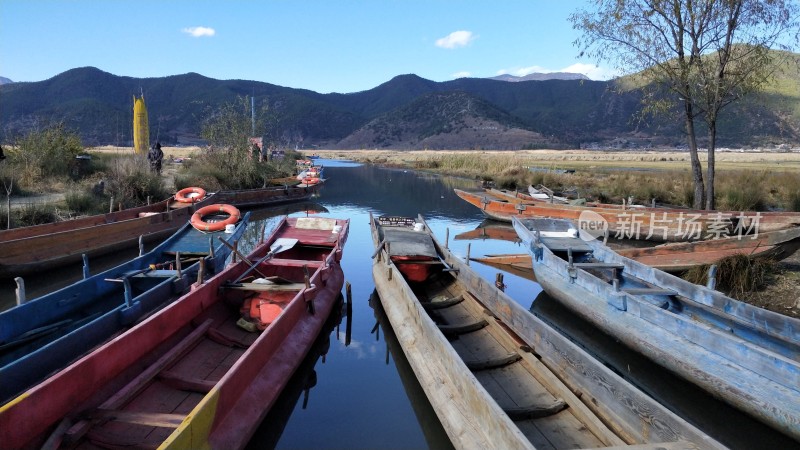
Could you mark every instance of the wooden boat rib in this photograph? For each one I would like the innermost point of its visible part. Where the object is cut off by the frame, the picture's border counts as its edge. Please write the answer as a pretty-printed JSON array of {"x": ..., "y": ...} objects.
[
  {"x": 671, "y": 257},
  {"x": 195, "y": 375},
  {"x": 744, "y": 355},
  {"x": 497, "y": 376},
  {"x": 657, "y": 224},
  {"x": 36, "y": 248},
  {"x": 47, "y": 333}
]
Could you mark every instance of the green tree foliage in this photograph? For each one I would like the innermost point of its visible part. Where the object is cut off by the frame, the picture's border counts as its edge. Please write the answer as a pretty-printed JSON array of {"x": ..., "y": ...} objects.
[
  {"x": 706, "y": 54},
  {"x": 231, "y": 162},
  {"x": 48, "y": 152}
]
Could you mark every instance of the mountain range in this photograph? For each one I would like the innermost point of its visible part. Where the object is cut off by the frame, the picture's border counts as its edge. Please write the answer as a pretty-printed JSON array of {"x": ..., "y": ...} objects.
[{"x": 406, "y": 112}]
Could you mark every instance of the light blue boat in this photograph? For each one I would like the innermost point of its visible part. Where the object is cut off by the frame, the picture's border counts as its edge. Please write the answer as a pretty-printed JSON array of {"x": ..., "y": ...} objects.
[
  {"x": 43, "y": 335},
  {"x": 742, "y": 354}
]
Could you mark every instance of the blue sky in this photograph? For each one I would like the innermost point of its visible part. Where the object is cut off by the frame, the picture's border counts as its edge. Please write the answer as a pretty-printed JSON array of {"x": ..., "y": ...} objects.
[{"x": 325, "y": 46}]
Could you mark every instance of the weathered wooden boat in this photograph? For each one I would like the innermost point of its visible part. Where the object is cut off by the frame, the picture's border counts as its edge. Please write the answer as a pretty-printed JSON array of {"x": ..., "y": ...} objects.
[
  {"x": 497, "y": 376},
  {"x": 269, "y": 195},
  {"x": 202, "y": 372},
  {"x": 672, "y": 257},
  {"x": 41, "y": 247},
  {"x": 517, "y": 264},
  {"x": 744, "y": 355},
  {"x": 45, "y": 334},
  {"x": 645, "y": 223}
]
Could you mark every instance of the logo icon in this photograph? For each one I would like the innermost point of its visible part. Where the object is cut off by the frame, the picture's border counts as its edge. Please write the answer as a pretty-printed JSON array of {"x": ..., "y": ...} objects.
[{"x": 591, "y": 226}]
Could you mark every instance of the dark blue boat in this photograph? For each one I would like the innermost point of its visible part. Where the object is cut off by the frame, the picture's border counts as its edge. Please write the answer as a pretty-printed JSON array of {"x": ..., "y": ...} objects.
[{"x": 47, "y": 333}]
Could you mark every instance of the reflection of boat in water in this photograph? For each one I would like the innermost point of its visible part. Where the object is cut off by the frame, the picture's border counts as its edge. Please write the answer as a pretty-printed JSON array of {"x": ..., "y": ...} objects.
[
  {"x": 289, "y": 208},
  {"x": 435, "y": 436},
  {"x": 497, "y": 376},
  {"x": 490, "y": 229},
  {"x": 516, "y": 264},
  {"x": 302, "y": 382}
]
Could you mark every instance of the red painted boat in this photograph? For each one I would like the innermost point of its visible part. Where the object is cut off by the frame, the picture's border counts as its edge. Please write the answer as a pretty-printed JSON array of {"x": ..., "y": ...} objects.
[
  {"x": 635, "y": 222},
  {"x": 200, "y": 373}
]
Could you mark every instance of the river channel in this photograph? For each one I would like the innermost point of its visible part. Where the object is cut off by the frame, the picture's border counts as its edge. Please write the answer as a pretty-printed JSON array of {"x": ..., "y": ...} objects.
[{"x": 356, "y": 390}]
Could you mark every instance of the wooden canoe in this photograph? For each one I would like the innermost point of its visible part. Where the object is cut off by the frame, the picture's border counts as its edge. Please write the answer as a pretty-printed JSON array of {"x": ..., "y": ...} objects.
[
  {"x": 742, "y": 354},
  {"x": 496, "y": 375},
  {"x": 672, "y": 257},
  {"x": 47, "y": 333},
  {"x": 642, "y": 223},
  {"x": 199, "y": 373},
  {"x": 41, "y": 247}
]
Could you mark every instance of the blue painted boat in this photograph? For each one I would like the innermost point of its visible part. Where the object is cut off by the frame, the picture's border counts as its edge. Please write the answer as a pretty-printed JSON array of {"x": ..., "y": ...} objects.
[
  {"x": 47, "y": 333},
  {"x": 742, "y": 354}
]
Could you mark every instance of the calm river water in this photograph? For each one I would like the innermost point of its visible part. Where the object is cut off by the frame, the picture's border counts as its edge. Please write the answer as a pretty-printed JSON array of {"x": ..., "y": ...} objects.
[{"x": 358, "y": 391}]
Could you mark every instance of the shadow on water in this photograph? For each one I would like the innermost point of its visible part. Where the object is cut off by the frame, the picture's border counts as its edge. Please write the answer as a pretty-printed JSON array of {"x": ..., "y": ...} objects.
[
  {"x": 730, "y": 426},
  {"x": 301, "y": 385},
  {"x": 435, "y": 435}
]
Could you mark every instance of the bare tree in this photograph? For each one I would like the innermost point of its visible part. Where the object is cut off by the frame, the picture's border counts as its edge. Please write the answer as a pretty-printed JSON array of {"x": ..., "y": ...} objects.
[{"x": 707, "y": 53}]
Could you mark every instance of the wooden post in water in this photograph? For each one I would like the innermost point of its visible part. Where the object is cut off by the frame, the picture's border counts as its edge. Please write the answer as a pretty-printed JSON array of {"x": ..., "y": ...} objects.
[
  {"x": 446, "y": 237},
  {"x": 348, "y": 331},
  {"x": 148, "y": 200},
  {"x": 468, "y": 249},
  {"x": 111, "y": 205},
  {"x": 201, "y": 272},
  {"x": 141, "y": 244},
  {"x": 498, "y": 281},
  {"x": 178, "y": 263},
  {"x": 85, "y": 266},
  {"x": 20, "y": 290}
]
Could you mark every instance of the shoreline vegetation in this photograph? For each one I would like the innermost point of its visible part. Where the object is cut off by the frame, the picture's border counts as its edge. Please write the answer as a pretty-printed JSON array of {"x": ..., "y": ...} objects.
[{"x": 745, "y": 181}]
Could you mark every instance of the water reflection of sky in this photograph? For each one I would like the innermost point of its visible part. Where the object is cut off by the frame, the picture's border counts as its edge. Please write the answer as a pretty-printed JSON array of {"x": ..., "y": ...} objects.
[{"x": 359, "y": 401}]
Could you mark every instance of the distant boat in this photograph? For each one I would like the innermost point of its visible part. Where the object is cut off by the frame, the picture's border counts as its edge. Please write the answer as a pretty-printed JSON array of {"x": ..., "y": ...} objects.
[
  {"x": 742, "y": 354},
  {"x": 141, "y": 127},
  {"x": 634, "y": 222}
]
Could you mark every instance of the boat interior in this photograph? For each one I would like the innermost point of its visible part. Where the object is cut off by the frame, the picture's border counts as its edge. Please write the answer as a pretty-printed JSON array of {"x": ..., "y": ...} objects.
[
  {"x": 614, "y": 275},
  {"x": 538, "y": 402}
]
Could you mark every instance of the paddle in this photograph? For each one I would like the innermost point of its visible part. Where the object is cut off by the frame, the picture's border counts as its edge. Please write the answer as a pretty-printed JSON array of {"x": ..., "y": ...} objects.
[
  {"x": 280, "y": 245},
  {"x": 241, "y": 256}
]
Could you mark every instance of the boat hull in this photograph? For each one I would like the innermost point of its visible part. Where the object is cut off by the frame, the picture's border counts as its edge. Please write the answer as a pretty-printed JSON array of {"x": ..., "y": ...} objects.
[
  {"x": 746, "y": 356},
  {"x": 609, "y": 411},
  {"x": 224, "y": 378},
  {"x": 47, "y": 333},
  {"x": 42, "y": 247},
  {"x": 641, "y": 223}
]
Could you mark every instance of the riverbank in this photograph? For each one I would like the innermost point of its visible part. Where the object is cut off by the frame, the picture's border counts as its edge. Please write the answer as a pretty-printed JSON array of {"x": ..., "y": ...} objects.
[{"x": 622, "y": 173}]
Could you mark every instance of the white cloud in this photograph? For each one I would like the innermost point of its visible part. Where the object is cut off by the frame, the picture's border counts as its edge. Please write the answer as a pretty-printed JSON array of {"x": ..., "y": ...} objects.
[
  {"x": 199, "y": 31},
  {"x": 456, "y": 39},
  {"x": 590, "y": 70},
  {"x": 461, "y": 75}
]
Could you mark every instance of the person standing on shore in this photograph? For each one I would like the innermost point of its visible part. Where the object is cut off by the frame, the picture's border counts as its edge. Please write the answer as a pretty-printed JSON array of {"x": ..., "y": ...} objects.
[{"x": 155, "y": 155}]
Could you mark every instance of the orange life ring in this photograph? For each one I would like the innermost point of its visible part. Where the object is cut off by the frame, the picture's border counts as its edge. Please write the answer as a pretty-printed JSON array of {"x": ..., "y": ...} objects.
[
  {"x": 185, "y": 195},
  {"x": 309, "y": 181},
  {"x": 198, "y": 222}
]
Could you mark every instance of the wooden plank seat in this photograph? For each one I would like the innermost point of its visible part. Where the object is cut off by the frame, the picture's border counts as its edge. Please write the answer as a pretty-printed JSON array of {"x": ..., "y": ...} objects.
[
  {"x": 599, "y": 265},
  {"x": 649, "y": 291},
  {"x": 75, "y": 431},
  {"x": 261, "y": 287},
  {"x": 536, "y": 411},
  {"x": 493, "y": 363},
  {"x": 463, "y": 328},
  {"x": 183, "y": 383},
  {"x": 225, "y": 339},
  {"x": 139, "y": 418}
]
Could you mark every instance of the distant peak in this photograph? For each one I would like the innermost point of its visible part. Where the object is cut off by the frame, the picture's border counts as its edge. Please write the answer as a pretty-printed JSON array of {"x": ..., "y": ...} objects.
[{"x": 541, "y": 77}]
